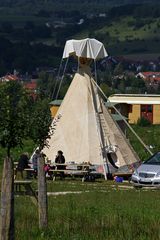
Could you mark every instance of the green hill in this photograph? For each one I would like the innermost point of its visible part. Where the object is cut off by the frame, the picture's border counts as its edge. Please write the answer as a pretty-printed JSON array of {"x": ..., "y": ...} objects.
[
  {"x": 127, "y": 35},
  {"x": 35, "y": 31}
]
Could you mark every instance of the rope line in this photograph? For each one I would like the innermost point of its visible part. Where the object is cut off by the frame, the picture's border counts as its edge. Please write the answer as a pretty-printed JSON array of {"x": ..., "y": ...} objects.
[
  {"x": 57, "y": 78},
  {"x": 62, "y": 78},
  {"x": 139, "y": 139}
]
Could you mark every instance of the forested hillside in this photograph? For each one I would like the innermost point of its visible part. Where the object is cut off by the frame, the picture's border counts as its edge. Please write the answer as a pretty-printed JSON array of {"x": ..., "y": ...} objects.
[{"x": 33, "y": 32}]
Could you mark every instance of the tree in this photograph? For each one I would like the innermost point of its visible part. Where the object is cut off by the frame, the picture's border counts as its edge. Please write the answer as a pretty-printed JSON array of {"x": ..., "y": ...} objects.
[
  {"x": 40, "y": 131},
  {"x": 118, "y": 69},
  {"x": 40, "y": 123},
  {"x": 106, "y": 89},
  {"x": 13, "y": 129},
  {"x": 13, "y": 115},
  {"x": 63, "y": 90},
  {"x": 46, "y": 84}
]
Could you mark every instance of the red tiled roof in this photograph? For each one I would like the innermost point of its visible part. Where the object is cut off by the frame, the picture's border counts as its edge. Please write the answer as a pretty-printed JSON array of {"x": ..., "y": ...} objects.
[
  {"x": 147, "y": 74},
  {"x": 11, "y": 77},
  {"x": 31, "y": 86}
]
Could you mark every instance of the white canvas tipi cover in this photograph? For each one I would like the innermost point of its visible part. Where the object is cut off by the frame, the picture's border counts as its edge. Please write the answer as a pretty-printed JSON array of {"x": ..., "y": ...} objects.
[
  {"x": 76, "y": 130},
  {"x": 85, "y": 129}
]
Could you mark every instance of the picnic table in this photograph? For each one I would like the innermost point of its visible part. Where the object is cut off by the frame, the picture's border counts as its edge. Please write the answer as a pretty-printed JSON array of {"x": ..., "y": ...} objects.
[
  {"x": 67, "y": 169},
  {"x": 70, "y": 169}
]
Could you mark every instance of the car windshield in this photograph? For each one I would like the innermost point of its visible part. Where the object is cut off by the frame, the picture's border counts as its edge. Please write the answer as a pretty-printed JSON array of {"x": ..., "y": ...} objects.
[{"x": 154, "y": 160}]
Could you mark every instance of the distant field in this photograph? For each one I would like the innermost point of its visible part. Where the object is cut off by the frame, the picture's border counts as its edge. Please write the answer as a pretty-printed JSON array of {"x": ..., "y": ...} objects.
[
  {"x": 126, "y": 36},
  {"x": 125, "y": 28}
]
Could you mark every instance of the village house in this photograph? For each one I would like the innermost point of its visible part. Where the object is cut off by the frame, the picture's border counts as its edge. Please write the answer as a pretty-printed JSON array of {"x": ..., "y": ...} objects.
[
  {"x": 136, "y": 106},
  {"x": 31, "y": 88},
  {"x": 151, "y": 79},
  {"x": 9, "y": 77}
]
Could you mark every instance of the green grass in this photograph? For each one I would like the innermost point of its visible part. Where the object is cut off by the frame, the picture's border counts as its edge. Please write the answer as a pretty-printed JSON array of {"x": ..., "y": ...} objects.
[
  {"x": 101, "y": 211},
  {"x": 150, "y": 135},
  {"x": 98, "y": 214}
]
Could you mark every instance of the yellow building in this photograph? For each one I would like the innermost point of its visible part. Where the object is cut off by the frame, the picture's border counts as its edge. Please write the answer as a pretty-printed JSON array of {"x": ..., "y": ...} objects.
[
  {"x": 54, "y": 105},
  {"x": 136, "y": 106}
]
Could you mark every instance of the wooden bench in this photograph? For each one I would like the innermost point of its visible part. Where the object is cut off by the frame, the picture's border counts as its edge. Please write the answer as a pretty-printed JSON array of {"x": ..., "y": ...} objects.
[{"x": 24, "y": 188}]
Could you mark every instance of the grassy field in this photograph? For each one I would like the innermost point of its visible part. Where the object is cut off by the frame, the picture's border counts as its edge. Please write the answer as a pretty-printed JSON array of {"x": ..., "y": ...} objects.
[
  {"x": 150, "y": 135},
  {"x": 100, "y": 211}
]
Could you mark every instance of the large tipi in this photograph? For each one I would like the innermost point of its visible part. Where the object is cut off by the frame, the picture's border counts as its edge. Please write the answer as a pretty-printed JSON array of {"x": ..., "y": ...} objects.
[{"x": 84, "y": 128}]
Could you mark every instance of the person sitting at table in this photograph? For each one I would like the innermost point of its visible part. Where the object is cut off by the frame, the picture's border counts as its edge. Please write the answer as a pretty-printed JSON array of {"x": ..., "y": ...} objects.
[
  {"x": 60, "y": 159},
  {"x": 22, "y": 164}
]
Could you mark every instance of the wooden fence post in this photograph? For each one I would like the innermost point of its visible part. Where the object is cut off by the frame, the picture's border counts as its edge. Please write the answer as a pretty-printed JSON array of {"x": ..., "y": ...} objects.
[
  {"x": 42, "y": 194},
  {"x": 7, "y": 202}
]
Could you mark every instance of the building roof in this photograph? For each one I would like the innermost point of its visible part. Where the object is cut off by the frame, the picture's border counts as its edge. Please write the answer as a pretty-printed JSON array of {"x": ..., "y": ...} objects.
[
  {"x": 148, "y": 74},
  {"x": 117, "y": 117},
  {"x": 10, "y": 77},
  {"x": 31, "y": 85},
  {"x": 56, "y": 102},
  {"x": 109, "y": 104},
  {"x": 135, "y": 98}
]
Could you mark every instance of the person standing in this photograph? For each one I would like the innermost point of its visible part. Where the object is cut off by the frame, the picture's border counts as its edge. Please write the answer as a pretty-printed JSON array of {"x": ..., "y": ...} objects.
[{"x": 22, "y": 164}]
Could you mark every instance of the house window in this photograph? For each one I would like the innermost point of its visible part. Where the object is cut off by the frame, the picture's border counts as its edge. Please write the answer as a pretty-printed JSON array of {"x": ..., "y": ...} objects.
[
  {"x": 149, "y": 108},
  {"x": 143, "y": 108},
  {"x": 146, "y": 108}
]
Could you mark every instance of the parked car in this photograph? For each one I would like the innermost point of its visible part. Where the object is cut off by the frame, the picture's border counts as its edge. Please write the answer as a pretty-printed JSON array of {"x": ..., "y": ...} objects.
[{"x": 148, "y": 173}]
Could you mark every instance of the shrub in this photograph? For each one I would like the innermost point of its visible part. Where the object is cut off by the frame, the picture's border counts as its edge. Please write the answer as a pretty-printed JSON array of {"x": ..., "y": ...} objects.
[{"x": 143, "y": 122}]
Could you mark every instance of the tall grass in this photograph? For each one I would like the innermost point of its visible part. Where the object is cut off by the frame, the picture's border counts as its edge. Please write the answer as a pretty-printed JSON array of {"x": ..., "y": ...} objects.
[{"x": 95, "y": 215}]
